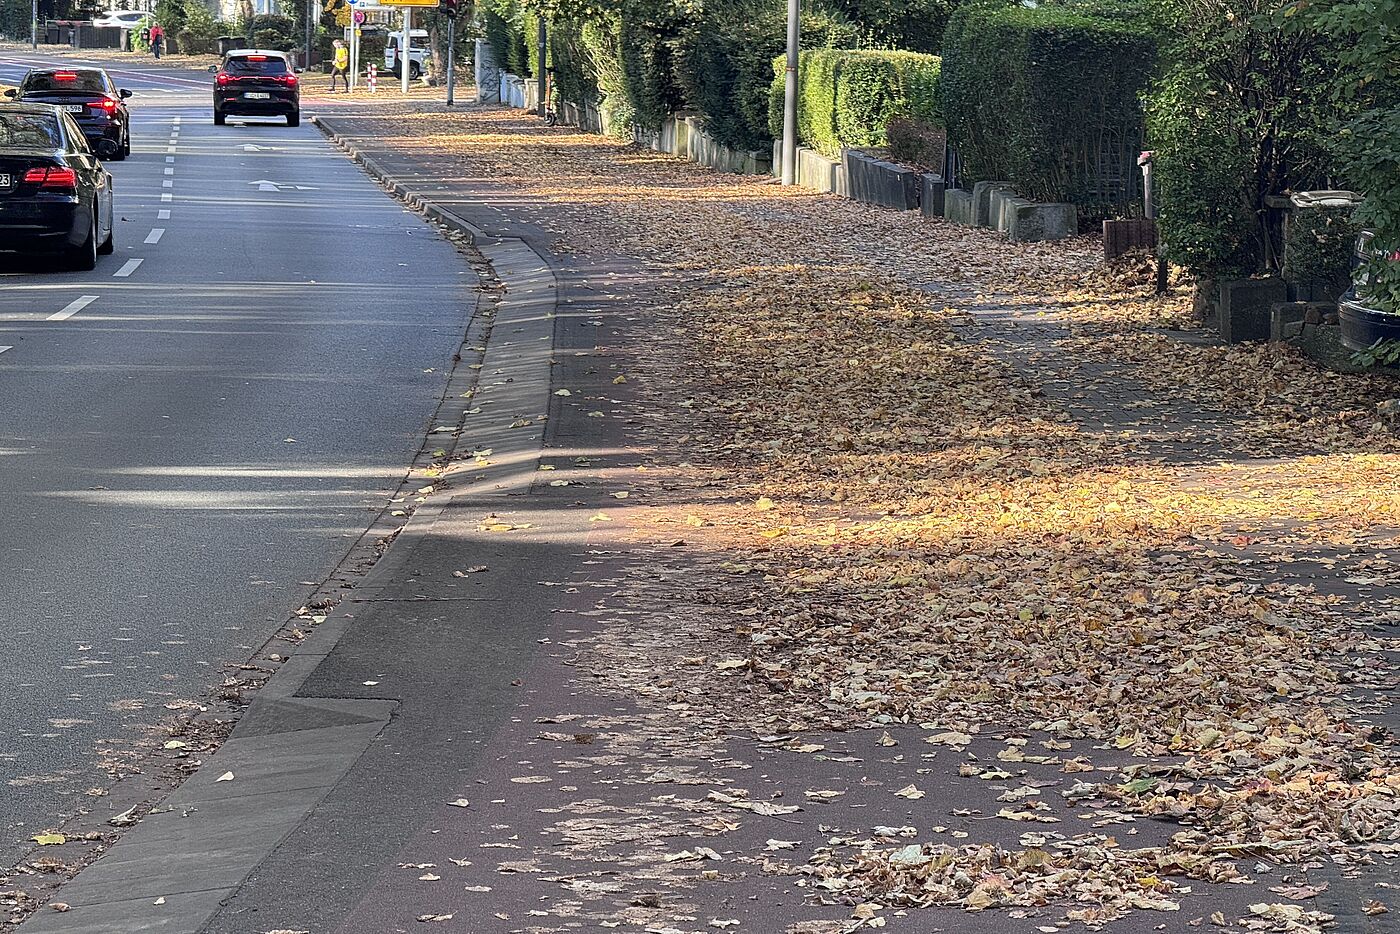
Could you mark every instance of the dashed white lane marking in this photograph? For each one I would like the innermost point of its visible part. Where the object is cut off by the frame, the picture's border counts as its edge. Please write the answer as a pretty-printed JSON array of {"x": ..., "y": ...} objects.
[
  {"x": 73, "y": 307},
  {"x": 127, "y": 269},
  {"x": 155, "y": 235},
  {"x": 169, "y": 148},
  {"x": 169, "y": 171},
  {"x": 169, "y": 158},
  {"x": 175, "y": 120},
  {"x": 167, "y": 196},
  {"x": 167, "y": 184},
  {"x": 164, "y": 215}
]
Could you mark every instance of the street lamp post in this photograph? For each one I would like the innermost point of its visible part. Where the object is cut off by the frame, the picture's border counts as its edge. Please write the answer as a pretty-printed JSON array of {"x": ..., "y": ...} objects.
[
  {"x": 34, "y": 24},
  {"x": 542, "y": 79},
  {"x": 794, "y": 39}
]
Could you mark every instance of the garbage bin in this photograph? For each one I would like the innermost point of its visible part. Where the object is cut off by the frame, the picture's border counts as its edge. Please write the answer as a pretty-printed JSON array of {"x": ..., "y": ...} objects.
[{"x": 228, "y": 43}]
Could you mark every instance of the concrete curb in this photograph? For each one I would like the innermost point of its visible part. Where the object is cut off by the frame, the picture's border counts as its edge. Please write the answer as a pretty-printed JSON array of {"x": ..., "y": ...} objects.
[{"x": 174, "y": 869}]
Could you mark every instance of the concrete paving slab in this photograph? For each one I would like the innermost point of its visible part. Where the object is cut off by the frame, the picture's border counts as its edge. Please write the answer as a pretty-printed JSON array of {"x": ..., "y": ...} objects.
[{"x": 179, "y": 914}]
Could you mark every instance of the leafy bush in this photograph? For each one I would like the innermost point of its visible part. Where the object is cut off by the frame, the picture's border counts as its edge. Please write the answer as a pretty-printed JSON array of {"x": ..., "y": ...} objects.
[
  {"x": 1239, "y": 114},
  {"x": 915, "y": 25},
  {"x": 1320, "y": 245},
  {"x": 1364, "y": 37},
  {"x": 647, "y": 72},
  {"x": 574, "y": 79},
  {"x": 848, "y": 98},
  {"x": 602, "y": 45},
  {"x": 270, "y": 31},
  {"x": 1047, "y": 99},
  {"x": 724, "y": 65},
  {"x": 917, "y": 144},
  {"x": 501, "y": 21}
]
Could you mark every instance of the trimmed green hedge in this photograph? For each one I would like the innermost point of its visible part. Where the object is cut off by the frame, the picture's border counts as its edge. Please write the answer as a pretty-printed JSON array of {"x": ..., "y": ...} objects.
[
  {"x": 723, "y": 64},
  {"x": 847, "y": 98},
  {"x": 1047, "y": 98}
]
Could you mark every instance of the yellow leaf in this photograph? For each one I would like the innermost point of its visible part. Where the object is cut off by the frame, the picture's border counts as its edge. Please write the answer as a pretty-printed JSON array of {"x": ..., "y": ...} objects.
[{"x": 49, "y": 839}]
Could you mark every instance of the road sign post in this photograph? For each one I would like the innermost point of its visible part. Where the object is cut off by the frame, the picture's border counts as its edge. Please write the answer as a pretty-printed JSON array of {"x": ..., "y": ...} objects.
[{"x": 406, "y": 48}]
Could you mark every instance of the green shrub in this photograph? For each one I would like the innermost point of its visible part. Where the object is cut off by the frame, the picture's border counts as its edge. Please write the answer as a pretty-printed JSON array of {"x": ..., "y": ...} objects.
[
  {"x": 1320, "y": 245},
  {"x": 1047, "y": 98},
  {"x": 501, "y": 22},
  {"x": 574, "y": 79},
  {"x": 1239, "y": 114},
  {"x": 848, "y": 98},
  {"x": 647, "y": 72},
  {"x": 724, "y": 64},
  {"x": 270, "y": 31},
  {"x": 916, "y": 25},
  {"x": 1204, "y": 179},
  {"x": 603, "y": 47}
]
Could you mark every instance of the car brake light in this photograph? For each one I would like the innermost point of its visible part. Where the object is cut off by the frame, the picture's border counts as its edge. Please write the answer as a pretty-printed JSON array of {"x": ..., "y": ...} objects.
[
  {"x": 61, "y": 177},
  {"x": 65, "y": 76},
  {"x": 107, "y": 104},
  {"x": 257, "y": 58},
  {"x": 222, "y": 78},
  {"x": 289, "y": 80}
]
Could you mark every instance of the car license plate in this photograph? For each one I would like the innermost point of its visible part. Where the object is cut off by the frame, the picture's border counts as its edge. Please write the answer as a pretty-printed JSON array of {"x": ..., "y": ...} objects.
[
  {"x": 75, "y": 108},
  {"x": 5, "y": 180},
  {"x": 257, "y": 95}
]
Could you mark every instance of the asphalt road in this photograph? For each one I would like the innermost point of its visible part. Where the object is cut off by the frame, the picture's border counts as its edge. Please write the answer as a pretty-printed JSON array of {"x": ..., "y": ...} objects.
[{"x": 157, "y": 519}]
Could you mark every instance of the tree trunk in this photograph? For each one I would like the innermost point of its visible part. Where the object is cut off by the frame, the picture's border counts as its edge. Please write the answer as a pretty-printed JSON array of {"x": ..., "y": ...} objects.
[{"x": 435, "y": 52}]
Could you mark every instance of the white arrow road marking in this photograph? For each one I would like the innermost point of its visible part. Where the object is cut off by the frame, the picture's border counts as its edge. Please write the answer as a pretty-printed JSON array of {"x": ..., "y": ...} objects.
[
  {"x": 73, "y": 307},
  {"x": 127, "y": 269},
  {"x": 254, "y": 147},
  {"x": 269, "y": 185},
  {"x": 5, "y": 347},
  {"x": 155, "y": 235}
]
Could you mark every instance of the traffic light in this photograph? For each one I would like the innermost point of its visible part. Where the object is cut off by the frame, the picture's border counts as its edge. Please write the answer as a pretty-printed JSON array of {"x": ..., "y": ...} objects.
[{"x": 449, "y": 7}]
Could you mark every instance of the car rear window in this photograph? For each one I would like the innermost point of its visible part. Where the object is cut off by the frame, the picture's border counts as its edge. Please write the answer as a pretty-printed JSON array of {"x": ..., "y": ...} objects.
[
  {"x": 86, "y": 81},
  {"x": 29, "y": 131},
  {"x": 255, "y": 65}
]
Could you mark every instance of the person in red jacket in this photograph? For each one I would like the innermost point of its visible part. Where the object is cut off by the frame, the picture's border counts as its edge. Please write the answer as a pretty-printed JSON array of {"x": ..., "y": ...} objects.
[{"x": 157, "y": 39}]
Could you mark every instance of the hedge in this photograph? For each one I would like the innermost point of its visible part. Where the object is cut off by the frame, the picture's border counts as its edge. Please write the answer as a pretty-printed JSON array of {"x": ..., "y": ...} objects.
[
  {"x": 723, "y": 64},
  {"x": 848, "y": 98},
  {"x": 1047, "y": 98}
]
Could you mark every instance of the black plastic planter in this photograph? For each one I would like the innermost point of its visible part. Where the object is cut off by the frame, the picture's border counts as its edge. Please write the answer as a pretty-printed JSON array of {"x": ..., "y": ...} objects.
[{"x": 1362, "y": 326}]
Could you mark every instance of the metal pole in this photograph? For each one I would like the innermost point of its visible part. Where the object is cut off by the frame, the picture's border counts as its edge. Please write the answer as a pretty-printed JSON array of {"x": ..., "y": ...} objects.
[
  {"x": 406, "y": 48},
  {"x": 542, "y": 47},
  {"x": 311, "y": 6},
  {"x": 354, "y": 53},
  {"x": 790, "y": 93},
  {"x": 451, "y": 58},
  {"x": 34, "y": 25}
]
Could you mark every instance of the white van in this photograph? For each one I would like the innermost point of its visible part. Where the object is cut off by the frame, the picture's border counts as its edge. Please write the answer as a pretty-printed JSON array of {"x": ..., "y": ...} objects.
[{"x": 417, "y": 55}]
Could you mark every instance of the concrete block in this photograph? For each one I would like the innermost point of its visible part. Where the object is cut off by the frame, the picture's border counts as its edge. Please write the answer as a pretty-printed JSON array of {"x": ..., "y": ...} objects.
[
  {"x": 1286, "y": 320},
  {"x": 957, "y": 206},
  {"x": 1246, "y": 307},
  {"x": 931, "y": 194},
  {"x": 981, "y": 201},
  {"x": 1001, "y": 208},
  {"x": 874, "y": 182},
  {"x": 1028, "y": 221}
]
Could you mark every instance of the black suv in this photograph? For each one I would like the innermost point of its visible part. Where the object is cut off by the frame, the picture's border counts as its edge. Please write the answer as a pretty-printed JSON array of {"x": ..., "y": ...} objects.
[
  {"x": 254, "y": 83},
  {"x": 88, "y": 94}
]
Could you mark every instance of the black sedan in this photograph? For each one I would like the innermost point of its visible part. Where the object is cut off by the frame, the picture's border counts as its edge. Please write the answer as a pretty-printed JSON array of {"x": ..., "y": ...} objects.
[
  {"x": 55, "y": 196},
  {"x": 89, "y": 95},
  {"x": 254, "y": 83}
]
